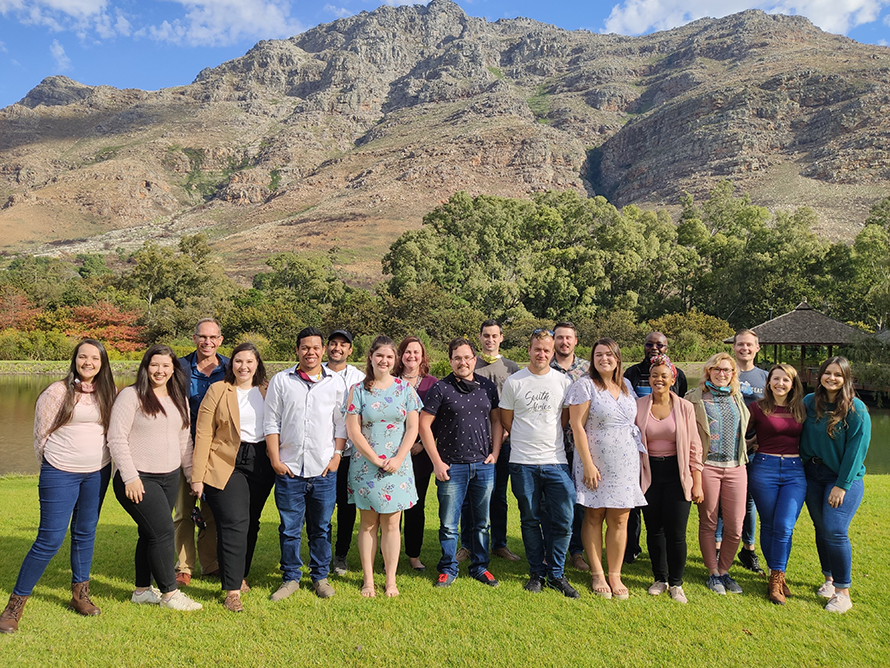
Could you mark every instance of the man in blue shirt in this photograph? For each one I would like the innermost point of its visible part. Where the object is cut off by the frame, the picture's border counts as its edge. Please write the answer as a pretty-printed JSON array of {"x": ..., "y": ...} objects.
[{"x": 202, "y": 368}]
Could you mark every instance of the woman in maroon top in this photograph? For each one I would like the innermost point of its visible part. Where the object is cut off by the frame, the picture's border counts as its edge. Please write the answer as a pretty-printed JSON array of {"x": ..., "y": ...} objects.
[
  {"x": 413, "y": 366},
  {"x": 776, "y": 477}
]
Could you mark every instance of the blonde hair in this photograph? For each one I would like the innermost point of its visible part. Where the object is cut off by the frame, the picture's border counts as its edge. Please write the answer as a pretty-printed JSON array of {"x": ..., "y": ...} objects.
[
  {"x": 795, "y": 396},
  {"x": 712, "y": 364}
]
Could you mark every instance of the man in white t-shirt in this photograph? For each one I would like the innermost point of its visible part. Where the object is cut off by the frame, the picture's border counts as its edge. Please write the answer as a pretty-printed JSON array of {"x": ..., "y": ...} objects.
[{"x": 532, "y": 411}]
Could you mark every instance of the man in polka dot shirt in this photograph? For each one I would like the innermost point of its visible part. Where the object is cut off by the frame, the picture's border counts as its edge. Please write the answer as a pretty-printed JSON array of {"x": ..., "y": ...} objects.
[{"x": 461, "y": 431}]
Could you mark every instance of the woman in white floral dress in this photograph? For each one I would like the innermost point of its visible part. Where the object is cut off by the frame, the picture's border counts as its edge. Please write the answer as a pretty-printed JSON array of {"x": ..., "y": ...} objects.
[
  {"x": 607, "y": 470},
  {"x": 381, "y": 420}
]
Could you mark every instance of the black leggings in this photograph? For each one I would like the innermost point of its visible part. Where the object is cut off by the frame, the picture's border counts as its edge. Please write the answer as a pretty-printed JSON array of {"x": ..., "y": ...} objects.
[
  {"x": 414, "y": 517},
  {"x": 345, "y": 511},
  {"x": 155, "y": 554},
  {"x": 666, "y": 517},
  {"x": 237, "y": 509}
]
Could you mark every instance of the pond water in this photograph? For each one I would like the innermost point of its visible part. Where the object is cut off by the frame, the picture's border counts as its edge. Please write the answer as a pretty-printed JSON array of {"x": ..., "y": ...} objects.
[{"x": 18, "y": 395}]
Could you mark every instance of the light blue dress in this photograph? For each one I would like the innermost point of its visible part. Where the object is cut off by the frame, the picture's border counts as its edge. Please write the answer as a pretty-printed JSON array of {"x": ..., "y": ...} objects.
[
  {"x": 615, "y": 446},
  {"x": 383, "y": 414}
]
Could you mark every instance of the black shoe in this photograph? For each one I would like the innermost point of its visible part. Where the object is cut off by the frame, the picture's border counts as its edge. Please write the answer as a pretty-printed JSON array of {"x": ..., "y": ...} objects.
[
  {"x": 631, "y": 556},
  {"x": 748, "y": 559},
  {"x": 563, "y": 585},
  {"x": 535, "y": 584},
  {"x": 487, "y": 578}
]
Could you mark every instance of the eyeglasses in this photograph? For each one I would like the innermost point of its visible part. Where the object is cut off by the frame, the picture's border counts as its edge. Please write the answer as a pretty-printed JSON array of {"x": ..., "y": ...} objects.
[
  {"x": 465, "y": 360},
  {"x": 722, "y": 372},
  {"x": 206, "y": 338},
  {"x": 538, "y": 332},
  {"x": 660, "y": 346}
]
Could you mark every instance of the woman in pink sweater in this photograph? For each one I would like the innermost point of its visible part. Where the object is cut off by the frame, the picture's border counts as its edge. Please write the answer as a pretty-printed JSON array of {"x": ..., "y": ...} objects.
[
  {"x": 149, "y": 442},
  {"x": 69, "y": 440}
]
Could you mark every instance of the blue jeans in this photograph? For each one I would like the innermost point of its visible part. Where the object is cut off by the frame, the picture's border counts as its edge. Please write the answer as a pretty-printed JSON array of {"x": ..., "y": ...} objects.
[
  {"x": 74, "y": 498},
  {"x": 497, "y": 508},
  {"x": 832, "y": 524},
  {"x": 311, "y": 500},
  {"x": 473, "y": 482},
  {"x": 779, "y": 487},
  {"x": 749, "y": 527},
  {"x": 530, "y": 484}
]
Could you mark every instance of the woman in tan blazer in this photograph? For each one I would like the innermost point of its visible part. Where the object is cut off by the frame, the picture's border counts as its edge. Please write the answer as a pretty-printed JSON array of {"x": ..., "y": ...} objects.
[
  {"x": 669, "y": 432},
  {"x": 230, "y": 465}
]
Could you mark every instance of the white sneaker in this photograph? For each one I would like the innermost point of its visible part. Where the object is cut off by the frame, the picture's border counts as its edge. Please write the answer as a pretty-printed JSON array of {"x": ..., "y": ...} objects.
[
  {"x": 839, "y": 603},
  {"x": 180, "y": 601},
  {"x": 150, "y": 595},
  {"x": 826, "y": 590},
  {"x": 658, "y": 588},
  {"x": 678, "y": 594}
]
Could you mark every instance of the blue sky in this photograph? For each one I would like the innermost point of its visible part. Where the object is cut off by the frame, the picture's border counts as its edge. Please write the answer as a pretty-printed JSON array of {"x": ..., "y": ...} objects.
[{"x": 151, "y": 44}]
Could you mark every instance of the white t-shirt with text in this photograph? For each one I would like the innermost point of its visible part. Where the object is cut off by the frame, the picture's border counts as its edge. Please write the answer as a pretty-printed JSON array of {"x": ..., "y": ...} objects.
[{"x": 537, "y": 404}]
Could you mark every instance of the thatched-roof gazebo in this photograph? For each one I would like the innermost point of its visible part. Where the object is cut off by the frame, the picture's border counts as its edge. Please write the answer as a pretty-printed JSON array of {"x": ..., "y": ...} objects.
[{"x": 805, "y": 326}]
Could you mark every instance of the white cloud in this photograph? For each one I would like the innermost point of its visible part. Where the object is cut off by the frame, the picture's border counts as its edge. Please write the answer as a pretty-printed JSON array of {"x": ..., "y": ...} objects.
[
  {"x": 83, "y": 17},
  {"x": 339, "y": 12},
  {"x": 2, "y": 47},
  {"x": 63, "y": 62},
  {"x": 634, "y": 17},
  {"x": 220, "y": 22}
]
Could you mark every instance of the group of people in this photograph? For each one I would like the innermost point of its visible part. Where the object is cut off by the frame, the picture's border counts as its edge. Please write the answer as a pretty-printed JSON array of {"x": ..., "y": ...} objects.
[{"x": 583, "y": 444}]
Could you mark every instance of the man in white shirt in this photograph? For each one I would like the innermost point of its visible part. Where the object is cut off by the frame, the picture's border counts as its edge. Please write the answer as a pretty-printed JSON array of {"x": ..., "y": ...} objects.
[
  {"x": 532, "y": 411},
  {"x": 339, "y": 349},
  {"x": 305, "y": 439}
]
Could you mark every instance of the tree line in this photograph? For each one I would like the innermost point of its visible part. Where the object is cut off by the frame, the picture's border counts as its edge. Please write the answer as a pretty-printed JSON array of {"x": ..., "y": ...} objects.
[{"x": 725, "y": 263}]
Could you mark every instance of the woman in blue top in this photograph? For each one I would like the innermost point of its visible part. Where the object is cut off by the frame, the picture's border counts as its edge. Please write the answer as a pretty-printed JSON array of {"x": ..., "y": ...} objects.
[
  {"x": 382, "y": 415},
  {"x": 833, "y": 447}
]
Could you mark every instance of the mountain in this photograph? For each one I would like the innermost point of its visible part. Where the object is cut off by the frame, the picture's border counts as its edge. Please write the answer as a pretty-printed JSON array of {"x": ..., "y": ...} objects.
[{"x": 346, "y": 135}]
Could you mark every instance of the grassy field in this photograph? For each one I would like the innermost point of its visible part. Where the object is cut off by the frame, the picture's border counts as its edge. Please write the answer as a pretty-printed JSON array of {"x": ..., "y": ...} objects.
[{"x": 466, "y": 625}]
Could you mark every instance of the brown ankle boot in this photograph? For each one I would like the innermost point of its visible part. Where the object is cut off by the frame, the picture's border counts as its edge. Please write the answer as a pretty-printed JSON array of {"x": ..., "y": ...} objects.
[
  {"x": 80, "y": 600},
  {"x": 9, "y": 619},
  {"x": 776, "y": 595},
  {"x": 785, "y": 589}
]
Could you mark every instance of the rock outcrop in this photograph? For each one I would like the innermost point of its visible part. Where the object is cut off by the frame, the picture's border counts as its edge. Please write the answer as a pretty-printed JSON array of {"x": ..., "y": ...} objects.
[{"x": 347, "y": 134}]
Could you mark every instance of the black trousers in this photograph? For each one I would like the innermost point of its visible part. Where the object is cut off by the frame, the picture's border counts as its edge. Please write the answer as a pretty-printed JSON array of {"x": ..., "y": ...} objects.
[
  {"x": 237, "y": 509},
  {"x": 666, "y": 517},
  {"x": 155, "y": 554},
  {"x": 414, "y": 517},
  {"x": 345, "y": 511}
]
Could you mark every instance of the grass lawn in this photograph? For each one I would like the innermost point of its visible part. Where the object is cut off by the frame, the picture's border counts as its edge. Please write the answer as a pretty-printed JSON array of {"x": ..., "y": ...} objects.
[{"x": 466, "y": 625}]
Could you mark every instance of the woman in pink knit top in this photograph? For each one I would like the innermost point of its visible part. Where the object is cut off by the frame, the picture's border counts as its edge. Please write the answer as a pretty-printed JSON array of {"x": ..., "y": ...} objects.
[
  {"x": 69, "y": 440},
  {"x": 149, "y": 442}
]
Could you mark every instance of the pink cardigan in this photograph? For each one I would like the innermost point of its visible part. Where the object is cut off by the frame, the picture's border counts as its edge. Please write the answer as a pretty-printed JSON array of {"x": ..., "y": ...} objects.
[{"x": 689, "y": 449}]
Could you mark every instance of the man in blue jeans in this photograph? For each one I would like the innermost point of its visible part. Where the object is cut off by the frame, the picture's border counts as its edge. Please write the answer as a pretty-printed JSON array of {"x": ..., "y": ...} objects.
[
  {"x": 461, "y": 431},
  {"x": 305, "y": 438},
  {"x": 532, "y": 411}
]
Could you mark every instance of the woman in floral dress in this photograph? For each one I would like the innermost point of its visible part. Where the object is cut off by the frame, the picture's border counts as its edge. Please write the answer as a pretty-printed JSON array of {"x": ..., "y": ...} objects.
[
  {"x": 602, "y": 412},
  {"x": 381, "y": 420}
]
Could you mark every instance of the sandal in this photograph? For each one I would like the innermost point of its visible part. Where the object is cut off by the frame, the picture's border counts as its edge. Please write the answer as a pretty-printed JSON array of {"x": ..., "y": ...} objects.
[
  {"x": 620, "y": 592},
  {"x": 368, "y": 591},
  {"x": 601, "y": 588}
]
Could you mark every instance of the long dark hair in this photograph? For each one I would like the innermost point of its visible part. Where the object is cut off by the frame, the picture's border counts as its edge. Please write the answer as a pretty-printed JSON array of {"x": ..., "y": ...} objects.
[
  {"x": 105, "y": 392},
  {"x": 259, "y": 375},
  {"x": 843, "y": 402},
  {"x": 381, "y": 341},
  {"x": 617, "y": 377},
  {"x": 148, "y": 400},
  {"x": 424, "y": 368}
]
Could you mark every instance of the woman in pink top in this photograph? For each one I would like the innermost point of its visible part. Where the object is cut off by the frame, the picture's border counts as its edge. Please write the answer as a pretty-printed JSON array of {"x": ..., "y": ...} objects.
[
  {"x": 776, "y": 479},
  {"x": 69, "y": 439},
  {"x": 667, "y": 425},
  {"x": 149, "y": 442}
]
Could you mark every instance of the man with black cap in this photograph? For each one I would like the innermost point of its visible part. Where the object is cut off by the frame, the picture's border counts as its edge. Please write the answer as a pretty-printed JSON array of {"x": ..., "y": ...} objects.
[{"x": 339, "y": 349}]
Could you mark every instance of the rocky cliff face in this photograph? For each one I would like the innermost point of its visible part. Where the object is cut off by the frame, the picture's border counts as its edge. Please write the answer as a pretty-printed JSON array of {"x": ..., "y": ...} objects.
[{"x": 348, "y": 133}]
